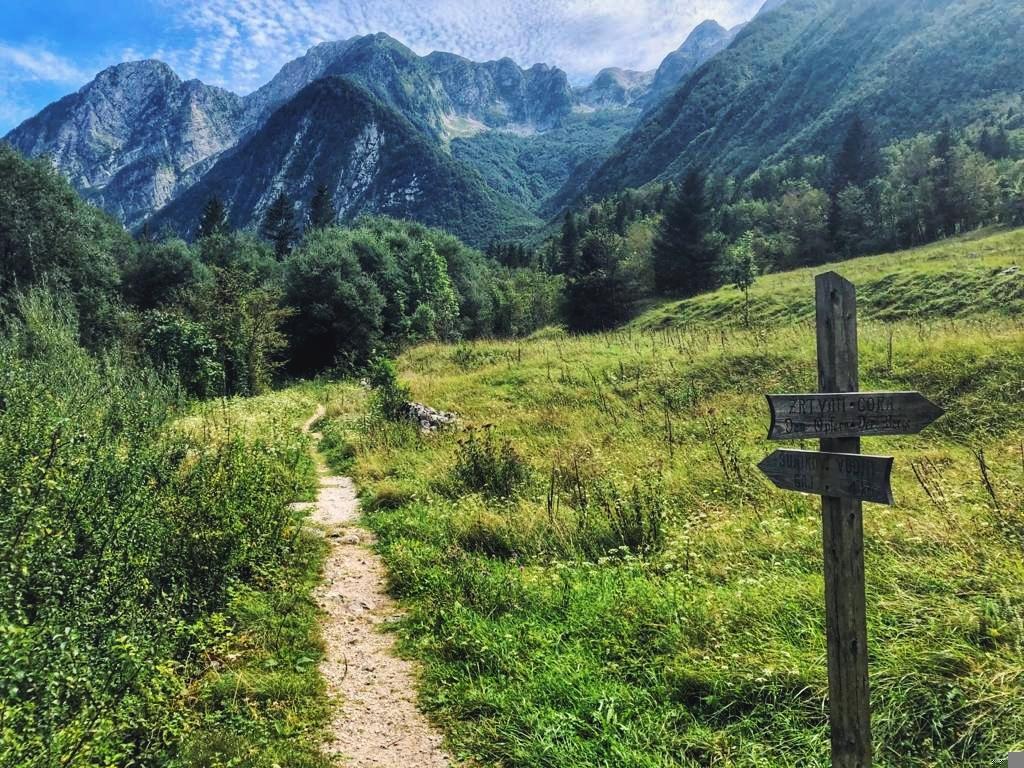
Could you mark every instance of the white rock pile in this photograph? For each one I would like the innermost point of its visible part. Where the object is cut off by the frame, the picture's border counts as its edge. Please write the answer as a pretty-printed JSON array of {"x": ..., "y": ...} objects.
[{"x": 429, "y": 419}]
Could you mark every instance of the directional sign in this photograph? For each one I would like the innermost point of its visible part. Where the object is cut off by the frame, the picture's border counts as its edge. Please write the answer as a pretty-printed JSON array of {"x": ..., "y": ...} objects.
[
  {"x": 839, "y": 475},
  {"x": 851, "y": 414}
]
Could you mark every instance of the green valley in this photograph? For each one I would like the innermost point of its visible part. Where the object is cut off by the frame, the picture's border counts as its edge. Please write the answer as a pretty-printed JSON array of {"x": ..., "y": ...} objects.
[{"x": 402, "y": 403}]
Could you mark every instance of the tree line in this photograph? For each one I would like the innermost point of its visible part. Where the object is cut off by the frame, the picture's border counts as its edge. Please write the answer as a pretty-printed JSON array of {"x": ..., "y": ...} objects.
[
  {"x": 680, "y": 239},
  {"x": 233, "y": 311}
]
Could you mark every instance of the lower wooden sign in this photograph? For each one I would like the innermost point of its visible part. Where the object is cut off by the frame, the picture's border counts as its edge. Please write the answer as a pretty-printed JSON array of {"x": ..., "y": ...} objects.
[{"x": 840, "y": 475}]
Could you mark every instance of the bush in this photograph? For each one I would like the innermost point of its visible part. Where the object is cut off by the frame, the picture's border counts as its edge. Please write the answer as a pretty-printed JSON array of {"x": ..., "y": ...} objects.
[
  {"x": 487, "y": 465},
  {"x": 122, "y": 544},
  {"x": 390, "y": 397}
]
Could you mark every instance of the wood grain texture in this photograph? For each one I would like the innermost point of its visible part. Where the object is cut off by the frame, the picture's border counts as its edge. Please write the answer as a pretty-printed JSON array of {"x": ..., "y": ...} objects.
[
  {"x": 843, "y": 539},
  {"x": 842, "y": 475}
]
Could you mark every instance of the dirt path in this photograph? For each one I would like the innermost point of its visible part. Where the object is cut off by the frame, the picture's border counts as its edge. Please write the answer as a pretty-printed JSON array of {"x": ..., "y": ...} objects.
[{"x": 376, "y": 722}]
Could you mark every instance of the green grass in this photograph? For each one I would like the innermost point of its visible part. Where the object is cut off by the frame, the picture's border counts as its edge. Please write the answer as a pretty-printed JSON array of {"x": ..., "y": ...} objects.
[
  {"x": 553, "y": 634},
  {"x": 261, "y": 702},
  {"x": 959, "y": 278}
]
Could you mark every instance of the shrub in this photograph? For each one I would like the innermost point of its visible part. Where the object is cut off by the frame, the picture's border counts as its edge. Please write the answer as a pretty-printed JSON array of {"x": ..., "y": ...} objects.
[
  {"x": 122, "y": 544},
  {"x": 390, "y": 396},
  {"x": 613, "y": 519},
  {"x": 487, "y": 465}
]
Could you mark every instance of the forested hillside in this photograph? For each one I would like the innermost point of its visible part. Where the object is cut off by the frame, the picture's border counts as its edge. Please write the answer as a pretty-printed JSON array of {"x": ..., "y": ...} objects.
[{"x": 793, "y": 78}]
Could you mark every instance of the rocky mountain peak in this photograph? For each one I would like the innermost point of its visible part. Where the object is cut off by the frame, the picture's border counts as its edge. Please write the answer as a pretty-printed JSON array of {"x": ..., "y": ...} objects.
[
  {"x": 707, "y": 38},
  {"x": 615, "y": 88},
  {"x": 132, "y": 137}
]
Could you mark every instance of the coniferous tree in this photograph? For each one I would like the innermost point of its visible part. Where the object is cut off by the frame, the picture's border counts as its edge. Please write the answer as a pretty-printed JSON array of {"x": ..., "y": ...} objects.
[
  {"x": 597, "y": 291},
  {"x": 322, "y": 213},
  {"x": 214, "y": 220},
  {"x": 856, "y": 164},
  {"x": 279, "y": 226},
  {"x": 685, "y": 261},
  {"x": 570, "y": 243}
]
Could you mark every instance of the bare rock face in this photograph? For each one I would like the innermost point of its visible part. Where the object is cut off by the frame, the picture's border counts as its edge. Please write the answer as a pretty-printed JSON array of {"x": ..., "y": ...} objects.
[
  {"x": 498, "y": 94},
  {"x": 337, "y": 133},
  {"x": 707, "y": 39},
  {"x": 615, "y": 88},
  {"x": 135, "y": 136}
]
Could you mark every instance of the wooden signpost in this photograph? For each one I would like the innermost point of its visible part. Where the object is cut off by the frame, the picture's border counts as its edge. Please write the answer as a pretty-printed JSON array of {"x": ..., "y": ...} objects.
[{"x": 839, "y": 415}]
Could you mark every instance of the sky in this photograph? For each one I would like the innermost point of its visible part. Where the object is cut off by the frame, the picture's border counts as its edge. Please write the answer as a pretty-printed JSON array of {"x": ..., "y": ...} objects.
[{"x": 49, "y": 48}]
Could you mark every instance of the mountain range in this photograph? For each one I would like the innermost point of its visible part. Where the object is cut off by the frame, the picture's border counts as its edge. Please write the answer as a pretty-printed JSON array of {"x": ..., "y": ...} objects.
[
  {"x": 489, "y": 150},
  {"x": 147, "y": 146}
]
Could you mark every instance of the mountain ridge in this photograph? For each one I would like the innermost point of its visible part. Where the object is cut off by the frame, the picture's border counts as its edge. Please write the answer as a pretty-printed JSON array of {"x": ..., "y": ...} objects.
[
  {"x": 793, "y": 78},
  {"x": 371, "y": 157}
]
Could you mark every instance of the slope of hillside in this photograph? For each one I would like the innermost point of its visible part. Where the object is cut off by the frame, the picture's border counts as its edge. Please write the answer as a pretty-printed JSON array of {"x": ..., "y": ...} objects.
[
  {"x": 980, "y": 273},
  {"x": 336, "y": 133},
  {"x": 791, "y": 80},
  {"x": 706, "y": 40},
  {"x": 598, "y": 574},
  {"x": 529, "y": 170}
]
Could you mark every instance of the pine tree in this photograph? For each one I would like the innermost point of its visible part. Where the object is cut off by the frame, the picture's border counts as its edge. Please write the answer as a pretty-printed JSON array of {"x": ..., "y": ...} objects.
[
  {"x": 945, "y": 215},
  {"x": 856, "y": 164},
  {"x": 598, "y": 293},
  {"x": 214, "y": 220},
  {"x": 858, "y": 160},
  {"x": 684, "y": 260},
  {"x": 279, "y": 226},
  {"x": 322, "y": 213},
  {"x": 570, "y": 243}
]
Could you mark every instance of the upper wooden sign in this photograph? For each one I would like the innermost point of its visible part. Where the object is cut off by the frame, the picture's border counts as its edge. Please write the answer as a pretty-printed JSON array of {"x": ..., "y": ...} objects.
[{"x": 853, "y": 414}]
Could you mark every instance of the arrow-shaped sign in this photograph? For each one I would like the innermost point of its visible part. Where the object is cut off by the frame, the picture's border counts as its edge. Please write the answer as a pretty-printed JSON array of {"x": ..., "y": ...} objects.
[
  {"x": 853, "y": 414},
  {"x": 840, "y": 475}
]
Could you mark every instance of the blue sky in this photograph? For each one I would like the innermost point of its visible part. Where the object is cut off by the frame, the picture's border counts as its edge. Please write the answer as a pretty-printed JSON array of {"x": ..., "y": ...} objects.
[{"x": 49, "y": 48}]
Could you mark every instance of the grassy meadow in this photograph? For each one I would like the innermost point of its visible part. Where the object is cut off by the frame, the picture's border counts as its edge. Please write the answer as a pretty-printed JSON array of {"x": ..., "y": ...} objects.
[{"x": 596, "y": 574}]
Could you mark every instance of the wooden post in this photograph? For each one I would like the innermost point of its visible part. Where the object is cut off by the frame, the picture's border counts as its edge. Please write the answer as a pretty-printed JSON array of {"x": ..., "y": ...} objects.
[{"x": 843, "y": 535}]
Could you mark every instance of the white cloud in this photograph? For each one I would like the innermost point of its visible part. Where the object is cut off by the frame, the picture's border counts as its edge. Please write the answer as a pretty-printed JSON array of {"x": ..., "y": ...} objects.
[
  {"x": 26, "y": 70},
  {"x": 37, "y": 64},
  {"x": 241, "y": 43}
]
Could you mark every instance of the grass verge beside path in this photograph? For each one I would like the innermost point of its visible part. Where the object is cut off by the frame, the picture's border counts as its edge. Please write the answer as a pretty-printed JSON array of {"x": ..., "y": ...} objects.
[{"x": 262, "y": 701}]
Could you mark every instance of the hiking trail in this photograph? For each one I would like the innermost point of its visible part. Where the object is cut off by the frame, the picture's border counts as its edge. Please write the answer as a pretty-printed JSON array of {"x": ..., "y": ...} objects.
[{"x": 376, "y": 721}]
